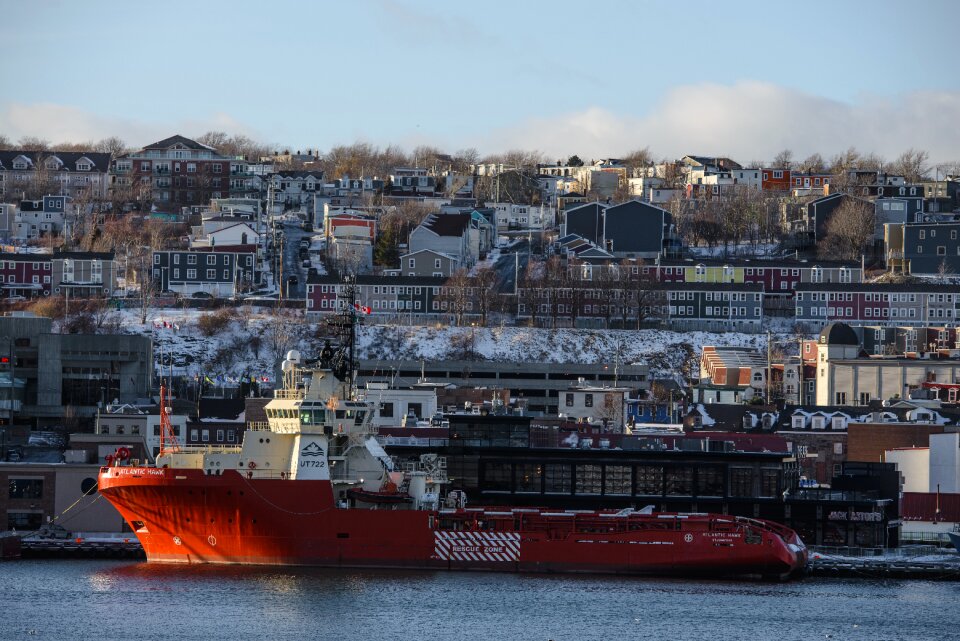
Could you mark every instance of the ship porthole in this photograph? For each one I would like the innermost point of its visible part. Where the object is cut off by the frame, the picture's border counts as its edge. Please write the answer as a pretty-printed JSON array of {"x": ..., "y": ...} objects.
[
  {"x": 177, "y": 541},
  {"x": 688, "y": 538},
  {"x": 212, "y": 540}
]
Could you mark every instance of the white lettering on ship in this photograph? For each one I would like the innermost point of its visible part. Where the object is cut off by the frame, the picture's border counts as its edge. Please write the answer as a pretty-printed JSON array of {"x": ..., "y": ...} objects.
[{"x": 477, "y": 546}]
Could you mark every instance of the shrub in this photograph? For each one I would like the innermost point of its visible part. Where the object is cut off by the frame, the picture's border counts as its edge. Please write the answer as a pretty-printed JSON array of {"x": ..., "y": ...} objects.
[{"x": 215, "y": 322}]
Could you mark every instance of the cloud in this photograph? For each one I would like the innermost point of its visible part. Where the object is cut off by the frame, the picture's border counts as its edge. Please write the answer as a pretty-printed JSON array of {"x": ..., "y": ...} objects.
[
  {"x": 748, "y": 121},
  {"x": 64, "y": 123}
]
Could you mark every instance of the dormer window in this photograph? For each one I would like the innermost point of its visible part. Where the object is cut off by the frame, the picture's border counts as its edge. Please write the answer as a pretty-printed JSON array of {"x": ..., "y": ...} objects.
[
  {"x": 838, "y": 423},
  {"x": 817, "y": 422},
  {"x": 83, "y": 166},
  {"x": 798, "y": 422}
]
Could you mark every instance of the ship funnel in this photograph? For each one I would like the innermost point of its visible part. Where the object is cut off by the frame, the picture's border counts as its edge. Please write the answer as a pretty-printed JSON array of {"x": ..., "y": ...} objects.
[{"x": 293, "y": 356}]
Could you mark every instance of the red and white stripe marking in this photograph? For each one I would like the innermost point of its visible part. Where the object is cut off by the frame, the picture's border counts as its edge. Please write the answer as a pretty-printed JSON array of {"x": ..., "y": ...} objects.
[{"x": 477, "y": 546}]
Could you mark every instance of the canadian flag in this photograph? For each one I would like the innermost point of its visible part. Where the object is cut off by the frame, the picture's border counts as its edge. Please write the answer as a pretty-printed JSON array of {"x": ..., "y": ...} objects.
[{"x": 360, "y": 308}]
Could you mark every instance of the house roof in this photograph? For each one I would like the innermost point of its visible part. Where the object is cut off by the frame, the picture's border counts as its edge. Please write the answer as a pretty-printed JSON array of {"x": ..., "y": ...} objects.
[
  {"x": 839, "y": 334},
  {"x": 783, "y": 263},
  {"x": 177, "y": 139},
  {"x": 447, "y": 224},
  {"x": 99, "y": 160},
  {"x": 83, "y": 255},
  {"x": 634, "y": 204},
  {"x": 428, "y": 251},
  {"x": 299, "y": 174},
  {"x": 876, "y": 287},
  {"x": 370, "y": 279},
  {"x": 718, "y": 161},
  {"x": 583, "y": 208}
]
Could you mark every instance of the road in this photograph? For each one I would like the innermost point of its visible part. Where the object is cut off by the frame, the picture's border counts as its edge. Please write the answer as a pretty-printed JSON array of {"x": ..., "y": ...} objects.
[
  {"x": 292, "y": 263},
  {"x": 511, "y": 262}
]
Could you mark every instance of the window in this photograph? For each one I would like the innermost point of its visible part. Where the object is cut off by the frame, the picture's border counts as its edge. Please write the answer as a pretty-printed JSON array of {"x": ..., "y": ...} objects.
[
  {"x": 769, "y": 483},
  {"x": 412, "y": 263},
  {"x": 191, "y": 259},
  {"x": 191, "y": 274},
  {"x": 841, "y": 398},
  {"x": 650, "y": 480},
  {"x": 709, "y": 481},
  {"x": 588, "y": 400},
  {"x": 941, "y": 250},
  {"x": 741, "y": 482},
  {"x": 568, "y": 399},
  {"x": 211, "y": 274},
  {"x": 557, "y": 478},
  {"x": 216, "y": 168},
  {"x": 156, "y": 259},
  {"x": 497, "y": 477},
  {"x": 679, "y": 481},
  {"x": 588, "y": 479},
  {"x": 25, "y": 488},
  {"x": 617, "y": 479},
  {"x": 211, "y": 260},
  {"x": 529, "y": 477}
]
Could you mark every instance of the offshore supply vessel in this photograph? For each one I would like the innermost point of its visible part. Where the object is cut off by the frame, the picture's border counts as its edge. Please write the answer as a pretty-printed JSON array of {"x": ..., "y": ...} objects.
[{"x": 313, "y": 486}]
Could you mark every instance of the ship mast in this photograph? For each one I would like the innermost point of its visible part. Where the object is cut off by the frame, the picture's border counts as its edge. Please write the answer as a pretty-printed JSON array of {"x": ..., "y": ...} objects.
[{"x": 168, "y": 438}]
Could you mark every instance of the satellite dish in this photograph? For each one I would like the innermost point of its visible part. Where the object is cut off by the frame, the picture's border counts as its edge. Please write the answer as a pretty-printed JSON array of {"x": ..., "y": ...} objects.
[{"x": 287, "y": 365}]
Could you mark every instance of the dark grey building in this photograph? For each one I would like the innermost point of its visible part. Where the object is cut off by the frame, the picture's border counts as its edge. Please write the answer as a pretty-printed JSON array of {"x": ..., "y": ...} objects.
[
  {"x": 219, "y": 274},
  {"x": 632, "y": 229},
  {"x": 73, "y": 373},
  {"x": 932, "y": 248},
  {"x": 586, "y": 221},
  {"x": 711, "y": 306}
]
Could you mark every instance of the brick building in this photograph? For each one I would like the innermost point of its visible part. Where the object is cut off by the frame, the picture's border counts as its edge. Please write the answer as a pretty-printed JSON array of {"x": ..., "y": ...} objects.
[{"x": 174, "y": 171}]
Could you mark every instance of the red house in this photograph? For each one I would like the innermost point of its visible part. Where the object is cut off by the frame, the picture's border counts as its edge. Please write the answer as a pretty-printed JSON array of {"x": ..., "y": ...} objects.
[{"x": 775, "y": 179}]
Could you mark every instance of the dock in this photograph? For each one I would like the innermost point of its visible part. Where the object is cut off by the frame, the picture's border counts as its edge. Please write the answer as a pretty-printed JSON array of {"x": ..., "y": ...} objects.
[
  {"x": 909, "y": 562},
  {"x": 82, "y": 548}
]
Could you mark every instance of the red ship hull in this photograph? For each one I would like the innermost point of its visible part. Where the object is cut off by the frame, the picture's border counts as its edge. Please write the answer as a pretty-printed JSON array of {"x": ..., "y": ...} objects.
[{"x": 187, "y": 516}]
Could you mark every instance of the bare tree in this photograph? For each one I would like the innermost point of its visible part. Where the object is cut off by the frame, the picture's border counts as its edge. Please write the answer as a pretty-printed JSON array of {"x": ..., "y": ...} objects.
[
  {"x": 33, "y": 143},
  {"x": 912, "y": 165},
  {"x": 112, "y": 145},
  {"x": 485, "y": 287},
  {"x": 813, "y": 163},
  {"x": 783, "y": 160},
  {"x": 849, "y": 231},
  {"x": 636, "y": 161},
  {"x": 456, "y": 294},
  {"x": 5, "y": 143},
  {"x": 945, "y": 273}
]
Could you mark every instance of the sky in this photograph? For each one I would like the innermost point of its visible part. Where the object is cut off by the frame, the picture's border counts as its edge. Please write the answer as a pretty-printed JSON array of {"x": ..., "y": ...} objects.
[{"x": 742, "y": 79}]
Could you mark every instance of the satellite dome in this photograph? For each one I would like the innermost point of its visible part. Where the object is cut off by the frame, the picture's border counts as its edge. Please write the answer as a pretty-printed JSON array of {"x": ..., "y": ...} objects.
[{"x": 293, "y": 356}]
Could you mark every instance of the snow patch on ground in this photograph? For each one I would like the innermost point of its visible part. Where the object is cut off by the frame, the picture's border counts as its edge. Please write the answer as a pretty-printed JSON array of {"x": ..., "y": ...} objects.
[{"x": 255, "y": 341}]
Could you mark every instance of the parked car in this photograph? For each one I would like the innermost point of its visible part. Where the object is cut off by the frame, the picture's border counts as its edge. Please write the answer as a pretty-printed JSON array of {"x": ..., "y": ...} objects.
[{"x": 53, "y": 531}]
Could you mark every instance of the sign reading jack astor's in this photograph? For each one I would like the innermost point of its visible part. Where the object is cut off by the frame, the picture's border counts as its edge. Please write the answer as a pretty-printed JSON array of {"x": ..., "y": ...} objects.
[{"x": 873, "y": 517}]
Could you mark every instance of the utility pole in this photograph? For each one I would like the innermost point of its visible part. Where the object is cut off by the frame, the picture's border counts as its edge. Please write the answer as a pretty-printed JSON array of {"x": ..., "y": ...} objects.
[{"x": 768, "y": 366}]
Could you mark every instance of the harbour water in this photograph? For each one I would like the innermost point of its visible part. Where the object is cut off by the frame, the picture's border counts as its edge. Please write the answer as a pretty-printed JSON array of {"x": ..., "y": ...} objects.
[{"x": 102, "y": 600}]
